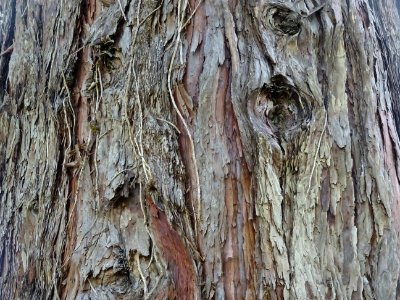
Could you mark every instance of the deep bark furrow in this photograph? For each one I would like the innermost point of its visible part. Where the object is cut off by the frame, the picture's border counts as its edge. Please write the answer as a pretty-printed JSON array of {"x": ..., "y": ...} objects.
[{"x": 6, "y": 45}]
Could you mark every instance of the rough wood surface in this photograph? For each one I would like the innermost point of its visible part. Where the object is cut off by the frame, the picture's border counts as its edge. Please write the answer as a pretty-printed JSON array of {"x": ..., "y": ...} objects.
[{"x": 200, "y": 149}]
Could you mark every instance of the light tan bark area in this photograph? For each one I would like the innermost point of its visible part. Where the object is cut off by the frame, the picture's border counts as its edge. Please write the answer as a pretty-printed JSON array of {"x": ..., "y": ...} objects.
[{"x": 202, "y": 149}]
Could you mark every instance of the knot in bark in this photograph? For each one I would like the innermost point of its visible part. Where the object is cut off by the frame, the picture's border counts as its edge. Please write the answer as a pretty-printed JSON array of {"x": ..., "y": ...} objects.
[
  {"x": 283, "y": 20},
  {"x": 280, "y": 108}
]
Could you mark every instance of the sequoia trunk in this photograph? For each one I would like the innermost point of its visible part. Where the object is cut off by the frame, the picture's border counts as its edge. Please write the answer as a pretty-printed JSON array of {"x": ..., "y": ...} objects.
[{"x": 174, "y": 149}]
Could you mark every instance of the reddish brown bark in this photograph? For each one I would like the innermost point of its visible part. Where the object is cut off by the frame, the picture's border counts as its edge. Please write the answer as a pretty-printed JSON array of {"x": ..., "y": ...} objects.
[{"x": 174, "y": 252}]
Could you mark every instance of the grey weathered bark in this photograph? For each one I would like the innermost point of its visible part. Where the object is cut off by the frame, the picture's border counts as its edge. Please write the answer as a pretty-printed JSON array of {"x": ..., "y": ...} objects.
[{"x": 199, "y": 150}]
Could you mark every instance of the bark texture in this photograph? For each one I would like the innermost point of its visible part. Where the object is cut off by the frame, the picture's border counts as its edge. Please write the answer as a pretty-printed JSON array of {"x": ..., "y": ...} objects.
[{"x": 209, "y": 149}]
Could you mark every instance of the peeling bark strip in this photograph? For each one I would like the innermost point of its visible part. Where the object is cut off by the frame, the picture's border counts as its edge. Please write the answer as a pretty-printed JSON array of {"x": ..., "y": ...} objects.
[
  {"x": 174, "y": 252},
  {"x": 282, "y": 115}
]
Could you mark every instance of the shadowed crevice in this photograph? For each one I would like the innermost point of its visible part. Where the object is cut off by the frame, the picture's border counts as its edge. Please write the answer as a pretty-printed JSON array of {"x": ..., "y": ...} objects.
[{"x": 5, "y": 59}]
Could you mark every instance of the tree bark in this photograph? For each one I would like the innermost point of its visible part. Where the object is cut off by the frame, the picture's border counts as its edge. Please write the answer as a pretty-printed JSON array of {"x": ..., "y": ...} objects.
[{"x": 199, "y": 149}]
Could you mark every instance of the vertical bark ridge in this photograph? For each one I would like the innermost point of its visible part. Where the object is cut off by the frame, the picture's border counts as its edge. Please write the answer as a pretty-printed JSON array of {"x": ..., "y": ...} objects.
[{"x": 79, "y": 139}]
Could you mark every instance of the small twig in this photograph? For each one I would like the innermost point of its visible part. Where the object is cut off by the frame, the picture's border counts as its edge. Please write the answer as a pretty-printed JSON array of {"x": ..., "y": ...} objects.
[
  {"x": 91, "y": 286},
  {"x": 137, "y": 24},
  {"x": 101, "y": 89},
  {"x": 79, "y": 172},
  {"x": 105, "y": 133},
  {"x": 126, "y": 119},
  {"x": 192, "y": 14},
  {"x": 314, "y": 10},
  {"x": 67, "y": 123},
  {"x": 316, "y": 154},
  {"x": 129, "y": 79},
  {"x": 119, "y": 173},
  {"x": 122, "y": 11},
  {"x": 142, "y": 276},
  {"x": 76, "y": 192},
  {"x": 76, "y": 51},
  {"x": 139, "y": 145},
  {"x": 185, "y": 125},
  {"x": 169, "y": 123},
  {"x": 65, "y": 111},
  {"x": 8, "y": 50},
  {"x": 154, "y": 287},
  {"x": 151, "y": 257},
  {"x": 142, "y": 207},
  {"x": 148, "y": 16},
  {"x": 96, "y": 167},
  {"x": 131, "y": 71},
  {"x": 99, "y": 98}
]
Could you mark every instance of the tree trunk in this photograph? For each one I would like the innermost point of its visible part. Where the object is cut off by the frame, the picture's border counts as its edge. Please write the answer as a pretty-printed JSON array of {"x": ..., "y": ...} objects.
[{"x": 199, "y": 149}]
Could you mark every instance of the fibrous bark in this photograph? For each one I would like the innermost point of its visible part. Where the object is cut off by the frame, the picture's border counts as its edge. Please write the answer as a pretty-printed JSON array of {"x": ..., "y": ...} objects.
[{"x": 199, "y": 149}]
